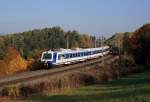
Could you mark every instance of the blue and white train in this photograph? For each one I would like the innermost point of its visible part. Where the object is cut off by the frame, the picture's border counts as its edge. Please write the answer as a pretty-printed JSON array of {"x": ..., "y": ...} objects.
[{"x": 68, "y": 56}]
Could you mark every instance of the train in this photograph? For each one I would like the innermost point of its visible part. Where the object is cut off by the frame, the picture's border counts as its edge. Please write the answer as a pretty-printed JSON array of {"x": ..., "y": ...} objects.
[{"x": 69, "y": 56}]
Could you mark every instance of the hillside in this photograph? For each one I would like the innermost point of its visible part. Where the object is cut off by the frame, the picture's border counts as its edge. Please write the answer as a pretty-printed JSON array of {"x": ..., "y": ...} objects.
[
  {"x": 117, "y": 39},
  {"x": 134, "y": 88}
]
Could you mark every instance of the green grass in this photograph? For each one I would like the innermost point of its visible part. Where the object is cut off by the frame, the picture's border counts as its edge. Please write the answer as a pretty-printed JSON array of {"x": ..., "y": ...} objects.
[{"x": 135, "y": 88}]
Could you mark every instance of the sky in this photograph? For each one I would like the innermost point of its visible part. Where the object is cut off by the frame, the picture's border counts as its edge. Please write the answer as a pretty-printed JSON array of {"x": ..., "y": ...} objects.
[{"x": 95, "y": 17}]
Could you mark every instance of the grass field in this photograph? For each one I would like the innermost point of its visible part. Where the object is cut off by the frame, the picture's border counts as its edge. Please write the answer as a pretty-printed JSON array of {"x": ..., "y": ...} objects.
[{"x": 134, "y": 88}]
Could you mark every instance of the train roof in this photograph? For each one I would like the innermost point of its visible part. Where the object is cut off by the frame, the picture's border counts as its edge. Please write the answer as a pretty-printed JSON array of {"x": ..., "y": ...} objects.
[{"x": 77, "y": 50}]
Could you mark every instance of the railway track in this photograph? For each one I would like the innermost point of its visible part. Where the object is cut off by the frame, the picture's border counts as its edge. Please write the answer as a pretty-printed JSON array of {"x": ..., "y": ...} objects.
[{"x": 35, "y": 75}]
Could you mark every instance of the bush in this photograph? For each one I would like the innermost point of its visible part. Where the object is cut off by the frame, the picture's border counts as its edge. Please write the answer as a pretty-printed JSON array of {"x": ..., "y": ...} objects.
[
  {"x": 12, "y": 92},
  {"x": 36, "y": 65}
]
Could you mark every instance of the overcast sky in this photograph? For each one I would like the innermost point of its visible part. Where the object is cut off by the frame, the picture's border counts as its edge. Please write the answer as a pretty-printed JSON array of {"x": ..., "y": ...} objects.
[{"x": 96, "y": 17}]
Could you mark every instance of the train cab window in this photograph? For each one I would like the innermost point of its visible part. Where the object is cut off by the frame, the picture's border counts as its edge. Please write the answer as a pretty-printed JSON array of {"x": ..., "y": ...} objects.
[{"x": 47, "y": 56}]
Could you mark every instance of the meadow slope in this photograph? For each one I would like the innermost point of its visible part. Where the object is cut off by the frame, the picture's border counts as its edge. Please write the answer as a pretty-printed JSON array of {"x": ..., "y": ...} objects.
[{"x": 134, "y": 88}]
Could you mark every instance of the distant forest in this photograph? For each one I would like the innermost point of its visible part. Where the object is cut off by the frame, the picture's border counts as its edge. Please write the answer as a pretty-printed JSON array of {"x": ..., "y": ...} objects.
[
  {"x": 135, "y": 44},
  {"x": 30, "y": 43}
]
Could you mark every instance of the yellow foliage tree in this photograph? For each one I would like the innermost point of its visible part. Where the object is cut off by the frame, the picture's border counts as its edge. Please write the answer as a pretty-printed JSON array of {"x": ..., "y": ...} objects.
[{"x": 13, "y": 62}]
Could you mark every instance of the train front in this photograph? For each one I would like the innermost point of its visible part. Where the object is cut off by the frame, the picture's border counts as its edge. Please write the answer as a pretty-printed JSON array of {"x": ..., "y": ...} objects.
[{"x": 46, "y": 58}]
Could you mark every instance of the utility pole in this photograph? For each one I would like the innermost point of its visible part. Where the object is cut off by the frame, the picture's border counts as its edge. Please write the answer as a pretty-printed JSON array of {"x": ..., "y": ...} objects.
[
  {"x": 102, "y": 44},
  {"x": 67, "y": 41},
  {"x": 95, "y": 42}
]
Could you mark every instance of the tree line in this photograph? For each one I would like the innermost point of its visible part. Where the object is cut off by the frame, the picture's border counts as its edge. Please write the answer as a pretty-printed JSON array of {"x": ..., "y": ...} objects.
[{"x": 29, "y": 43}]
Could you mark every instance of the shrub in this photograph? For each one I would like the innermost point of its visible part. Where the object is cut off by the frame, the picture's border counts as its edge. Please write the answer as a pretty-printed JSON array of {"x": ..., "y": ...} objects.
[{"x": 36, "y": 65}]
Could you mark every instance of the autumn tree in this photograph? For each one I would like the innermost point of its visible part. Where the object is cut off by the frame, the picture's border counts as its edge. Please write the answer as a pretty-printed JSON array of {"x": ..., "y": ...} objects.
[
  {"x": 139, "y": 44},
  {"x": 14, "y": 61}
]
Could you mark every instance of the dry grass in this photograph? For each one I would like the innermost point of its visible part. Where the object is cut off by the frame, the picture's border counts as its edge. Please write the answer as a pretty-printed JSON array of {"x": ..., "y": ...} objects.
[
  {"x": 133, "y": 88},
  {"x": 72, "y": 80}
]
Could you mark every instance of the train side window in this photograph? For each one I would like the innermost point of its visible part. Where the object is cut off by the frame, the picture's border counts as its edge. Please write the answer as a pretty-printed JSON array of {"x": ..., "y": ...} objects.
[
  {"x": 89, "y": 53},
  {"x": 70, "y": 55},
  {"x": 63, "y": 56},
  {"x": 93, "y": 52},
  {"x": 67, "y": 55},
  {"x": 78, "y": 54},
  {"x": 84, "y": 53},
  {"x": 73, "y": 55},
  {"x": 81, "y": 53}
]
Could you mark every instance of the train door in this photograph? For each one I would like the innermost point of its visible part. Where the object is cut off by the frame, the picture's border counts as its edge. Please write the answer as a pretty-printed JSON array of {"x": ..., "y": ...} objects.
[
  {"x": 54, "y": 57},
  {"x": 62, "y": 58}
]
